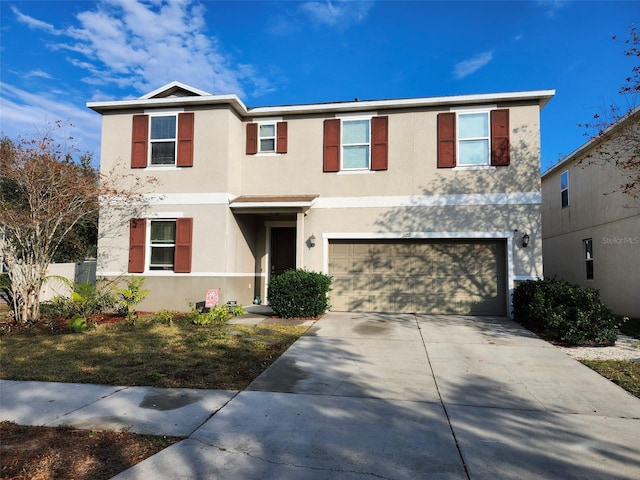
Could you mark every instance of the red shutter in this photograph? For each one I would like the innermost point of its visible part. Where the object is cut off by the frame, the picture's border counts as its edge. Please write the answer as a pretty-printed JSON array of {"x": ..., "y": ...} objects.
[
  {"x": 140, "y": 141},
  {"x": 331, "y": 155},
  {"x": 252, "y": 138},
  {"x": 446, "y": 140},
  {"x": 500, "y": 137},
  {"x": 184, "y": 233},
  {"x": 185, "y": 139},
  {"x": 379, "y": 152},
  {"x": 281, "y": 144},
  {"x": 137, "y": 239}
]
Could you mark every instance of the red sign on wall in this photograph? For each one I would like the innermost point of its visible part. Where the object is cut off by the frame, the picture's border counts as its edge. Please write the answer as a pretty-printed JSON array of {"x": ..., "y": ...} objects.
[{"x": 212, "y": 298}]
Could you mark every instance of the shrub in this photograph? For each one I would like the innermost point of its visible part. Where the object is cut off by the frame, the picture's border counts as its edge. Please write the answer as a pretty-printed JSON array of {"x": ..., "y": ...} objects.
[
  {"x": 130, "y": 296},
  {"x": 77, "y": 324},
  {"x": 565, "y": 312},
  {"x": 216, "y": 314},
  {"x": 299, "y": 293}
]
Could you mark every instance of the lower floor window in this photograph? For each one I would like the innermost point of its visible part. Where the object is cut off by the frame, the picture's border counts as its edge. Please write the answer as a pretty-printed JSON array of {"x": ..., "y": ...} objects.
[
  {"x": 163, "y": 244},
  {"x": 588, "y": 256}
]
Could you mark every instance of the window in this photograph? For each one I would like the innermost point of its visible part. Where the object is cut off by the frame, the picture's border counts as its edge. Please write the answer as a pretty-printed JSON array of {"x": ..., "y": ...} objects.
[
  {"x": 165, "y": 242},
  {"x": 564, "y": 189},
  {"x": 355, "y": 144},
  {"x": 473, "y": 138},
  {"x": 267, "y": 134},
  {"x": 266, "y": 137},
  {"x": 162, "y": 140},
  {"x": 588, "y": 258}
]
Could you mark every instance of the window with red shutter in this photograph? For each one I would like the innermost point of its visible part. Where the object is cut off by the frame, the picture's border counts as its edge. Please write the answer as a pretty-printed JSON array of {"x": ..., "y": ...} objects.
[
  {"x": 137, "y": 239},
  {"x": 500, "y": 137},
  {"x": 185, "y": 139},
  {"x": 184, "y": 234},
  {"x": 140, "y": 141},
  {"x": 379, "y": 148},
  {"x": 252, "y": 138},
  {"x": 281, "y": 146},
  {"x": 446, "y": 140},
  {"x": 331, "y": 145}
]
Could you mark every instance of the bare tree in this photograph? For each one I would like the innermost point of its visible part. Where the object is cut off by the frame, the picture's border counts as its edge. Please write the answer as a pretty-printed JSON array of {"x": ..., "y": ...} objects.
[
  {"x": 44, "y": 195},
  {"x": 618, "y": 125}
]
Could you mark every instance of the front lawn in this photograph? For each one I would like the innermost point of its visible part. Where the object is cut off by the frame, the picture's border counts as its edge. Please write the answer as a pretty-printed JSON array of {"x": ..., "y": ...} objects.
[
  {"x": 625, "y": 373},
  {"x": 153, "y": 352}
]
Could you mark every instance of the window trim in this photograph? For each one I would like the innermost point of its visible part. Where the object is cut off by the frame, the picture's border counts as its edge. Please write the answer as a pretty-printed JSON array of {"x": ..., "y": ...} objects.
[
  {"x": 565, "y": 189},
  {"x": 274, "y": 137},
  {"x": 487, "y": 114},
  {"x": 355, "y": 118},
  {"x": 162, "y": 140},
  {"x": 150, "y": 246}
]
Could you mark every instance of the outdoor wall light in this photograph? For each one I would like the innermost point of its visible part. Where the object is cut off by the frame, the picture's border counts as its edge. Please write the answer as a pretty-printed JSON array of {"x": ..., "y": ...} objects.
[
  {"x": 311, "y": 241},
  {"x": 525, "y": 240}
]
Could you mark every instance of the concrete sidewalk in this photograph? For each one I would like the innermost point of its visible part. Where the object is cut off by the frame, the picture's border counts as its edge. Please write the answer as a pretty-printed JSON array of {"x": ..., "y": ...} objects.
[{"x": 376, "y": 396}]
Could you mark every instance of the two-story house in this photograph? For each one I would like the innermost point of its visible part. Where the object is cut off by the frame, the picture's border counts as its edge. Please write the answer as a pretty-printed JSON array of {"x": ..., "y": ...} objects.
[
  {"x": 411, "y": 205},
  {"x": 590, "y": 228}
]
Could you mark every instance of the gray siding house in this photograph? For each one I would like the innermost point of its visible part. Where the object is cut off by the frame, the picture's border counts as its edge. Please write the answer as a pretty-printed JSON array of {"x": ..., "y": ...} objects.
[{"x": 590, "y": 229}]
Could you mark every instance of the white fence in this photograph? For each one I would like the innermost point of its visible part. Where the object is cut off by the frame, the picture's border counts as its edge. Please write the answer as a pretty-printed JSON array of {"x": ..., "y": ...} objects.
[{"x": 76, "y": 272}]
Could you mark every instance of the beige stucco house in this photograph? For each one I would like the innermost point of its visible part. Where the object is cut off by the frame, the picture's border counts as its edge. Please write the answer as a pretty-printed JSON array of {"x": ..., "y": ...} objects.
[
  {"x": 411, "y": 205},
  {"x": 590, "y": 229}
]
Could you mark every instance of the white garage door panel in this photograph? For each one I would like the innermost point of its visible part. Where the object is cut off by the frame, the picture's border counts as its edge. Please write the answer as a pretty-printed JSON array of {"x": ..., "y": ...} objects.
[{"x": 425, "y": 276}]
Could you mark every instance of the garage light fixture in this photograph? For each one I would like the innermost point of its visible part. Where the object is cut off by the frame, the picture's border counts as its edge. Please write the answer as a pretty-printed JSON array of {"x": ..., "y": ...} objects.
[{"x": 525, "y": 240}]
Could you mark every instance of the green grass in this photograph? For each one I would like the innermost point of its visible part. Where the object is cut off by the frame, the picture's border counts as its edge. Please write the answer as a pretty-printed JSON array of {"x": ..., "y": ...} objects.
[
  {"x": 181, "y": 354},
  {"x": 625, "y": 373}
]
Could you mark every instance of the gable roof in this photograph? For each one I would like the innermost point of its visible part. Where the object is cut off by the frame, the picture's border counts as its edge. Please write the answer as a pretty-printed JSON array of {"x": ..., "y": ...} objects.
[{"x": 175, "y": 89}]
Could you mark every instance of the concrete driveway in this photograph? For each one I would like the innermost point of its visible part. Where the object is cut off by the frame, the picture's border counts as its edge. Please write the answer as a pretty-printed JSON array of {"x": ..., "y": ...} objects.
[{"x": 415, "y": 396}]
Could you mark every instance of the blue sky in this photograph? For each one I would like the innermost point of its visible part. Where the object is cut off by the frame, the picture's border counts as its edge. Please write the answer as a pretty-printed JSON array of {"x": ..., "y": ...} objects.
[{"x": 57, "y": 55}]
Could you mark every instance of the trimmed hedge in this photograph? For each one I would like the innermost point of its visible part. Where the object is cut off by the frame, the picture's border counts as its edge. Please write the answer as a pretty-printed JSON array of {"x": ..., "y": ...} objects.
[
  {"x": 299, "y": 294},
  {"x": 565, "y": 312}
]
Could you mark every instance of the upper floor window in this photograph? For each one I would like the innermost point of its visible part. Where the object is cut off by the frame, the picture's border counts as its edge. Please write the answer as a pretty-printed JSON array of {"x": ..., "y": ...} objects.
[
  {"x": 473, "y": 138},
  {"x": 267, "y": 133},
  {"x": 588, "y": 258},
  {"x": 162, "y": 139},
  {"x": 564, "y": 188},
  {"x": 355, "y": 143},
  {"x": 267, "y": 137}
]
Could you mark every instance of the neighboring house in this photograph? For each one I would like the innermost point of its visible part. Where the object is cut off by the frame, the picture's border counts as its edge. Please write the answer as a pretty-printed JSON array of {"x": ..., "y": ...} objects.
[
  {"x": 411, "y": 205},
  {"x": 590, "y": 230}
]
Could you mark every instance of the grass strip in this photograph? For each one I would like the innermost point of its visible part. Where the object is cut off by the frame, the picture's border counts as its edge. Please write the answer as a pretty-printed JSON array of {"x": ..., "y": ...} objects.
[{"x": 625, "y": 373}]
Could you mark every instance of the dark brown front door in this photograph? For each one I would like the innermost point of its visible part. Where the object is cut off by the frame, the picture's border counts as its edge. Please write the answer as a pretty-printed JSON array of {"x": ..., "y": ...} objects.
[{"x": 283, "y": 249}]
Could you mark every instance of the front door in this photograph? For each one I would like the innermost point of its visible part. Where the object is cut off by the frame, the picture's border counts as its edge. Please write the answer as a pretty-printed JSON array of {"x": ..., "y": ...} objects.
[{"x": 283, "y": 249}]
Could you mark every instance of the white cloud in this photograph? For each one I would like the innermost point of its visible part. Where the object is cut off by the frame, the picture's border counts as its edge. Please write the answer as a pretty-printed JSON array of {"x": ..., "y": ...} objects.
[
  {"x": 26, "y": 113},
  {"x": 340, "y": 14},
  {"x": 38, "y": 74},
  {"x": 145, "y": 44},
  {"x": 34, "y": 23},
  {"x": 552, "y": 7},
  {"x": 471, "y": 65}
]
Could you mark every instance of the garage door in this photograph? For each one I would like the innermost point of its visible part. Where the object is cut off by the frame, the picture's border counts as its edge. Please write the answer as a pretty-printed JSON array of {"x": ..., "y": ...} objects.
[{"x": 465, "y": 277}]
